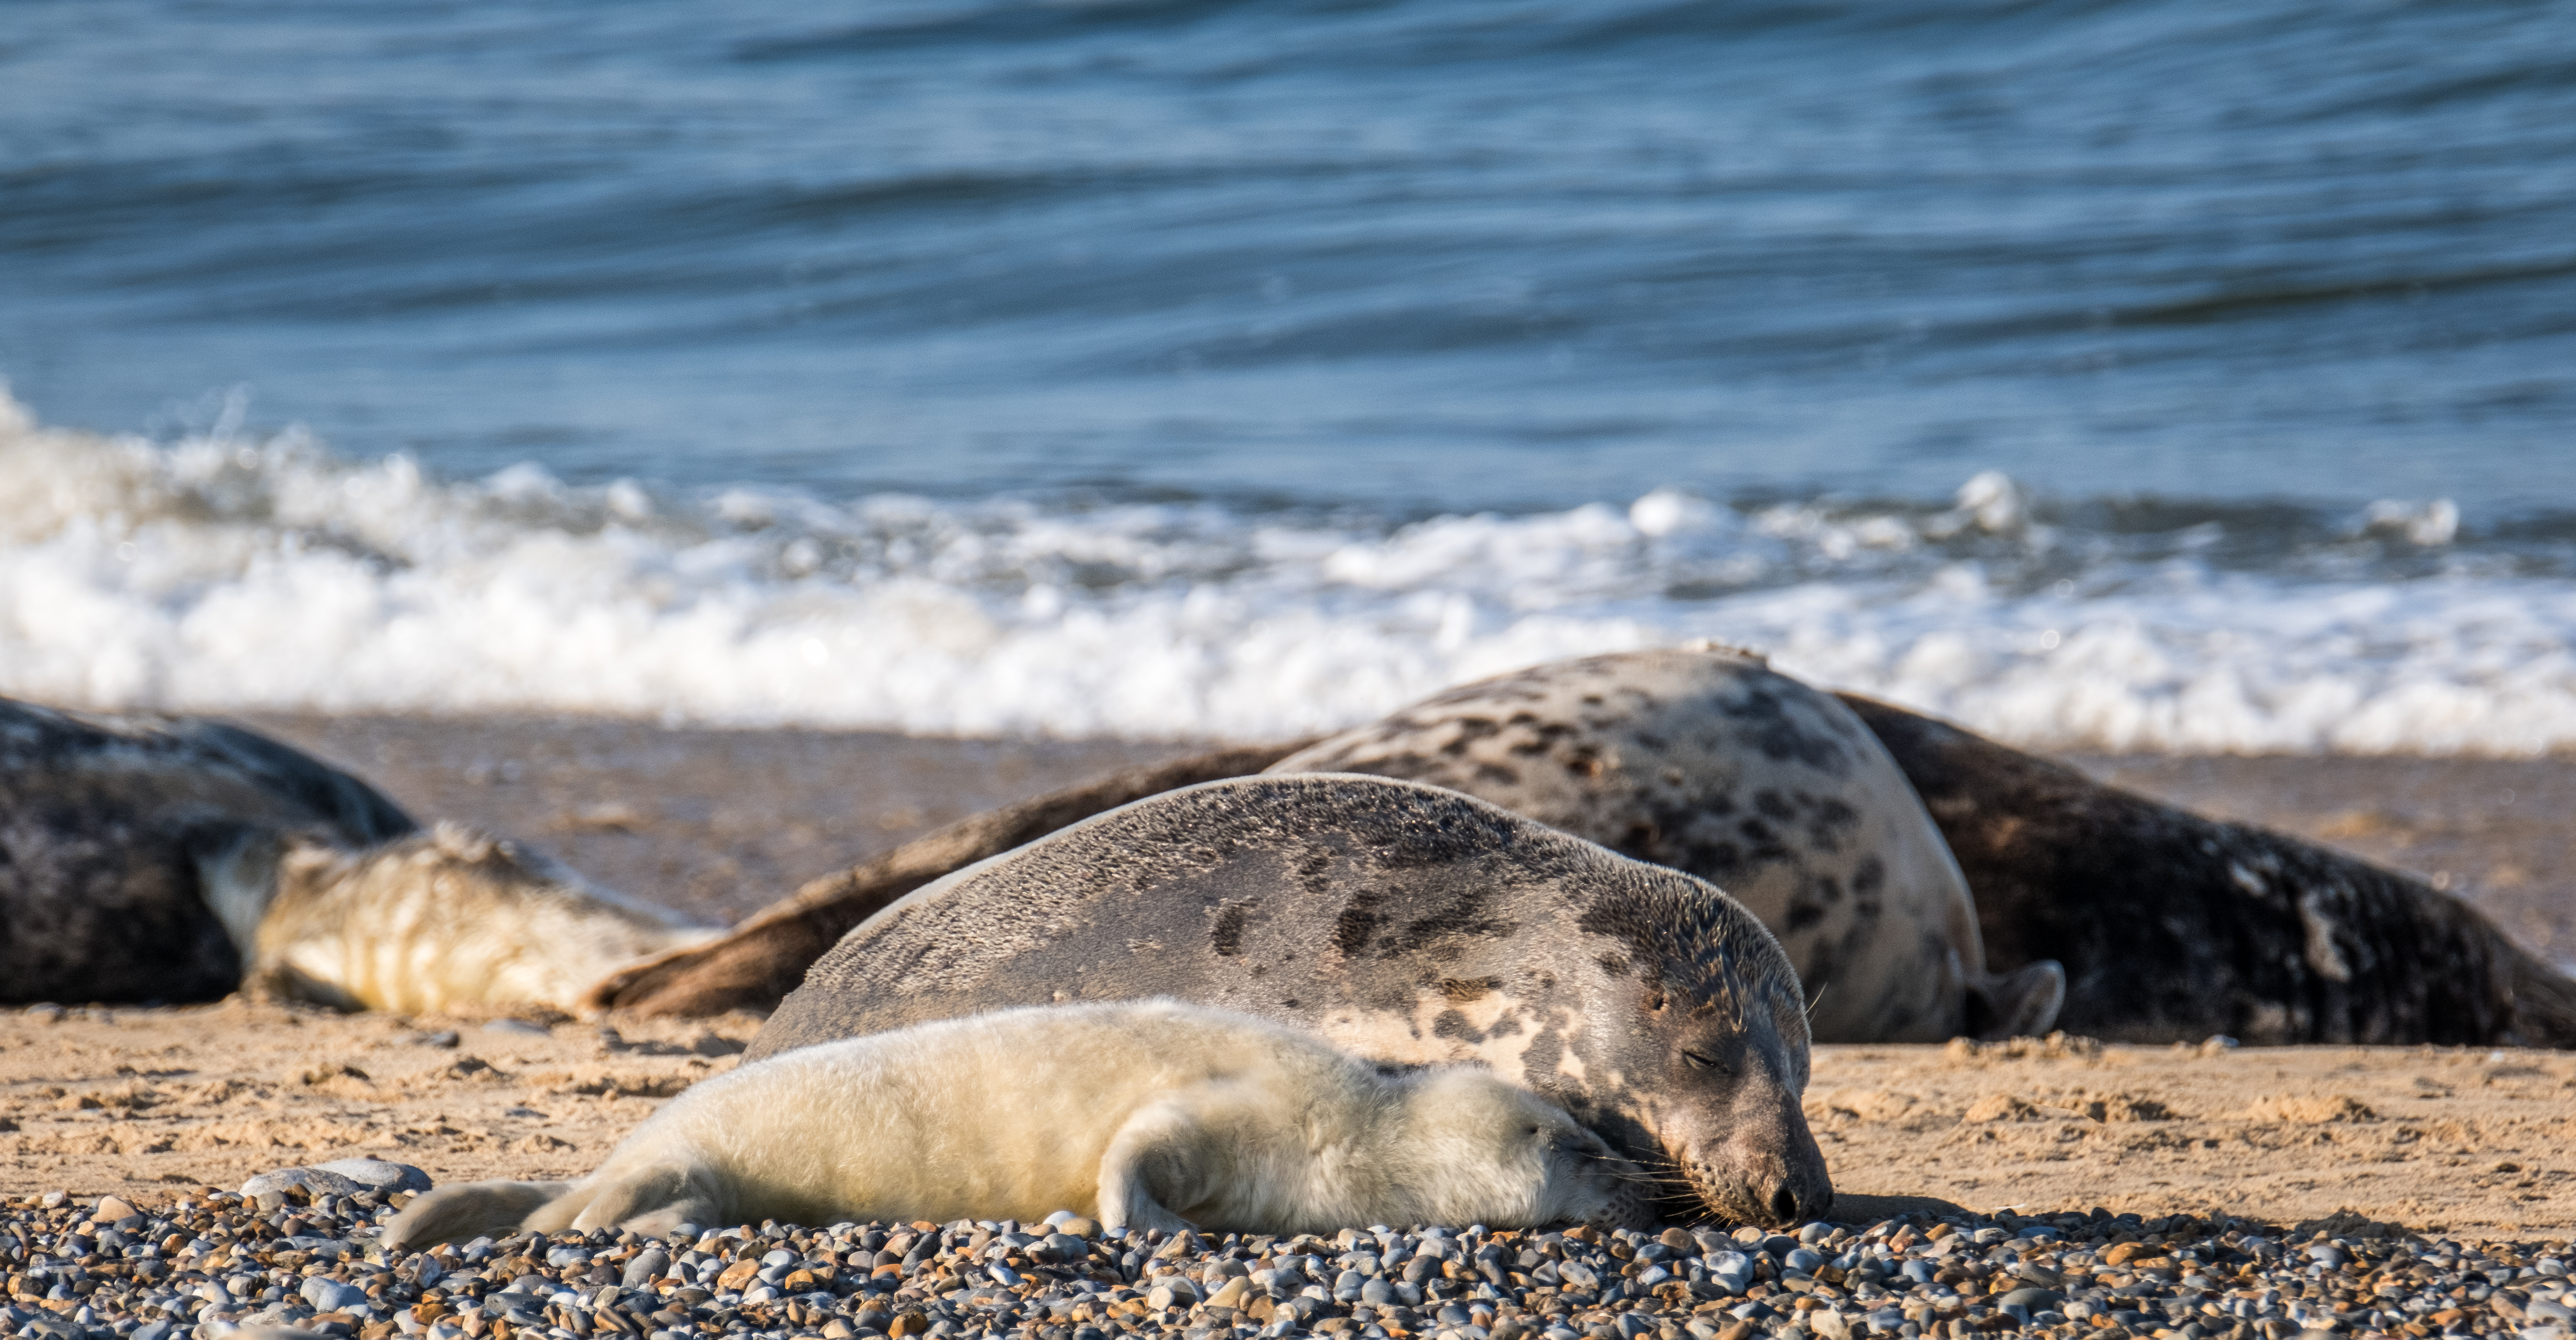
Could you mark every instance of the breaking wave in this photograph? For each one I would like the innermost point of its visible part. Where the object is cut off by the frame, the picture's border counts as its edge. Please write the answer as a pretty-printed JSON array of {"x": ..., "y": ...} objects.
[{"x": 221, "y": 573}]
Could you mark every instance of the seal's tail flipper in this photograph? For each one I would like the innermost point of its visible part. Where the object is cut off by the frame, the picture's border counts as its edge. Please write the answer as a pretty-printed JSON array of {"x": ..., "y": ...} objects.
[
  {"x": 651, "y": 1202},
  {"x": 2018, "y": 1004},
  {"x": 470, "y": 1210}
]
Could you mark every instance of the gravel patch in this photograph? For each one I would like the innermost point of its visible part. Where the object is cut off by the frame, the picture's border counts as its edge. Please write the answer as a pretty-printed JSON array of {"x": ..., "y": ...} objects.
[{"x": 297, "y": 1261}]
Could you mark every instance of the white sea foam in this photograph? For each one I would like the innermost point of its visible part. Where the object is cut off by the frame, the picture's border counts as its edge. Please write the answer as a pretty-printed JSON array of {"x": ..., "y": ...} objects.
[{"x": 216, "y": 574}]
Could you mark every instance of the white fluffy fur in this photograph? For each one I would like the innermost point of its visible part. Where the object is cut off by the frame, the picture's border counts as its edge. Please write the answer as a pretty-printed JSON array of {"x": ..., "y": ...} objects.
[
  {"x": 1146, "y": 1114},
  {"x": 447, "y": 919}
]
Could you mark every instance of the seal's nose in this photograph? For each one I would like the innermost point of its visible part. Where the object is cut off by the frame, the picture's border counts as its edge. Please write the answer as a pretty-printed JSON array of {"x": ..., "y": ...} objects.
[
  {"x": 1802, "y": 1192},
  {"x": 1789, "y": 1191}
]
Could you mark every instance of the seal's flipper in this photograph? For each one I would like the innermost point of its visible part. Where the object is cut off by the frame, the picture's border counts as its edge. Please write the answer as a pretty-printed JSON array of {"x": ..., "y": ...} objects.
[
  {"x": 2020, "y": 1004},
  {"x": 1149, "y": 1165},
  {"x": 668, "y": 1195},
  {"x": 471, "y": 1210}
]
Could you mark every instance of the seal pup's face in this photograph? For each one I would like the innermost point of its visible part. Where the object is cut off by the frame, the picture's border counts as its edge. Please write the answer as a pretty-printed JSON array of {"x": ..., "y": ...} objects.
[{"x": 1487, "y": 1151}]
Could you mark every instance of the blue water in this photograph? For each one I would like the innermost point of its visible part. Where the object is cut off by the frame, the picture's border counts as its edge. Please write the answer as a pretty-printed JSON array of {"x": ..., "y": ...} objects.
[
  {"x": 1416, "y": 258},
  {"x": 2146, "y": 375}
]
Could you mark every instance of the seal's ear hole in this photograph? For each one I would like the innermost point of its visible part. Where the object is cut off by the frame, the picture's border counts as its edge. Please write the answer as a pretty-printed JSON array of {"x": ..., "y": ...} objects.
[{"x": 1655, "y": 998}]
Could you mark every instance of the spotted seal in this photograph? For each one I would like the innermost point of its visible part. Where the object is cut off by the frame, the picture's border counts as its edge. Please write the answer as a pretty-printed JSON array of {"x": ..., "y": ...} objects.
[
  {"x": 103, "y": 821},
  {"x": 2173, "y": 926},
  {"x": 1157, "y": 1115},
  {"x": 1407, "y": 923},
  {"x": 1712, "y": 763}
]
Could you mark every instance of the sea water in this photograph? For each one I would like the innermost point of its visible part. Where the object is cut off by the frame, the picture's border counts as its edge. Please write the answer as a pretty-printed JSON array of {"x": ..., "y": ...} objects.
[{"x": 2130, "y": 376}]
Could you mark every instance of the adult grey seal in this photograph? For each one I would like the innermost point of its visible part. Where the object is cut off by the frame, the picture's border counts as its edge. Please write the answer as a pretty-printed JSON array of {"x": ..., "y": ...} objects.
[
  {"x": 1406, "y": 923},
  {"x": 104, "y": 820},
  {"x": 1712, "y": 763},
  {"x": 1158, "y": 1115},
  {"x": 2175, "y": 926}
]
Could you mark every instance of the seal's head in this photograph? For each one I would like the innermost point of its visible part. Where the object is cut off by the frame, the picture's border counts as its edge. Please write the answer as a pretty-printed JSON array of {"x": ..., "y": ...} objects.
[
  {"x": 1482, "y": 1144},
  {"x": 1714, "y": 1060}
]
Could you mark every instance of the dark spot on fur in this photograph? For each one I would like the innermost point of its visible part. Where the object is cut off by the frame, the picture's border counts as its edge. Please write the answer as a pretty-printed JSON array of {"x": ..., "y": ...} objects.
[
  {"x": 1539, "y": 1061},
  {"x": 1868, "y": 882},
  {"x": 1315, "y": 871},
  {"x": 1359, "y": 920},
  {"x": 1765, "y": 720},
  {"x": 1613, "y": 964},
  {"x": 1465, "y": 989},
  {"x": 1227, "y": 937},
  {"x": 1497, "y": 774},
  {"x": 1803, "y": 914},
  {"x": 1452, "y": 1024},
  {"x": 1774, "y": 804},
  {"x": 1470, "y": 730}
]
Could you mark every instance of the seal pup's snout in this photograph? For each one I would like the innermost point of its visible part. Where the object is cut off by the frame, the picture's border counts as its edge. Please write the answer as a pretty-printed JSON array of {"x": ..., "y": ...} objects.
[{"x": 1607, "y": 1190}]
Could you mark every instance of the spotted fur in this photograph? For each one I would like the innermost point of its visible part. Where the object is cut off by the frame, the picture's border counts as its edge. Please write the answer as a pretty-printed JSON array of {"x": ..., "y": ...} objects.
[
  {"x": 1713, "y": 764},
  {"x": 1409, "y": 924}
]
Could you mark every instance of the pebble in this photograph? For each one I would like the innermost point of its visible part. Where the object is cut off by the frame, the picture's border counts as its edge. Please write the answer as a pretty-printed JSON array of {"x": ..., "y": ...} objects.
[{"x": 300, "y": 1260}]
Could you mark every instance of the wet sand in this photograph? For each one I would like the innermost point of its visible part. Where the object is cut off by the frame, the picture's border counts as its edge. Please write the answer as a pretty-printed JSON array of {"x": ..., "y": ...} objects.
[{"x": 724, "y": 821}]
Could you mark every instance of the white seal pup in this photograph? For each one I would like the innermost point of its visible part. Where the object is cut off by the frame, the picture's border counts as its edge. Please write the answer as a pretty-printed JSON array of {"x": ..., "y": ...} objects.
[
  {"x": 104, "y": 819},
  {"x": 1710, "y": 762},
  {"x": 1143, "y": 1114},
  {"x": 1407, "y": 923},
  {"x": 444, "y": 920}
]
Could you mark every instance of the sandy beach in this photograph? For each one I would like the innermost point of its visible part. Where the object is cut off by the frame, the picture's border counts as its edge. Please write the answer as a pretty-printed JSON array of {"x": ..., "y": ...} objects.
[{"x": 721, "y": 822}]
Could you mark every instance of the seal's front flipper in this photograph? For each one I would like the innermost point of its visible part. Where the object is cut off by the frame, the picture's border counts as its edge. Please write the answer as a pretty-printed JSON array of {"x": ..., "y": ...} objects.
[
  {"x": 2018, "y": 1004},
  {"x": 651, "y": 1202},
  {"x": 471, "y": 1210},
  {"x": 1150, "y": 1165}
]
